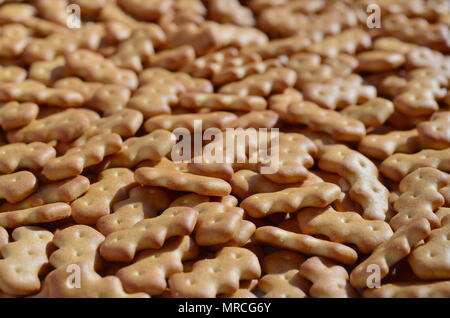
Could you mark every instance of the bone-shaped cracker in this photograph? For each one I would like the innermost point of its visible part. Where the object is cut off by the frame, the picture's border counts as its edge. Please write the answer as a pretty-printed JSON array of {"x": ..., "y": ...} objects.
[
  {"x": 420, "y": 197},
  {"x": 410, "y": 290},
  {"x": 393, "y": 44},
  {"x": 329, "y": 280},
  {"x": 48, "y": 72},
  {"x": 344, "y": 203},
  {"x": 344, "y": 227},
  {"x": 148, "y": 10},
  {"x": 218, "y": 224},
  {"x": 135, "y": 52},
  {"x": 338, "y": 126},
  {"x": 76, "y": 159},
  {"x": 220, "y": 275},
  {"x": 275, "y": 80},
  {"x": 291, "y": 199},
  {"x": 419, "y": 57},
  {"x": 362, "y": 175},
  {"x": 312, "y": 68},
  {"x": 17, "y": 186},
  {"x": 280, "y": 102},
  {"x": 77, "y": 243},
  {"x": 421, "y": 31},
  {"x": 232, "y": 12},
  {"x": 282, "y": 279},
  {"x": 173, "y": 59},
  {"x": 305, "y": 244},
  {"x": 234, "y": 73},
  {"x": 190, "y": 200},
  {"x": 112, "y": 186},
  {"x": 430, "y": 260},
  {"x": 36, "y": 92},
  {"x": 159, "y": 90},
  {"x": 397, "y": 166},
  {"x": 59, "y": 43},
  {"x": 277, "y": 47},
  {"x": 60, "y": 284},
  {"x": 295, "y": 154},
  {"x": 63, "y": 126},
  {"x": 62, "y": 191},
  {"x": 93, "y": 67},
  {"x": 389, "y": 253},
  {"x": 40, "y": 214},
  {"x": 372, "y": 113},
  {"x": 220, "y": 120},
  {"x": 152, "y": 267},
  {"x": 13, "y": 74},
  {"x": 435, "y": 133},
  {"x": 210, "y": 64},
  {"x": 222, "y": 102},
  {"x": 143, "y": 202},
  {"x": 210, "y": 35},
  {"x": 293, "y": 18},
  {"x": 257, "y": 119},
  {"x": 135, "y": 150},
  {"x": 182, "y": 181},
  {"x": 148, "y": 233},
  {"x": 379, "y": 61},
  {"x": 14, "y": 115},
  {"x": 245, "y": 183},
  {"x": 339, "y": 92},
  {"x": 31, "y": 156},
  {"x": 383, "y": 146},
  {"x": 349, "y": 41},
  {"x": 125, "y": 123},
  {"x": 23, "y": 260}
]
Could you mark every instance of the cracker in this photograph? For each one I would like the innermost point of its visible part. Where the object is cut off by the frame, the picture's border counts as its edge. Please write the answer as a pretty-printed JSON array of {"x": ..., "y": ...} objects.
[
  {"x": 77, "y": 243},
  {"x": 64, "y": 126},
  {"x": 221, "y": 224},
  {"x": 362, "y": 175},
  {"x": 220, "y": 275},
  {"x": 227, "y": 102},
  {"x": 420, "y": 190},
  {"x": 92, "y": 285},
  {"x": 389, "y": 253},
  {"x": 182, "y": 181},
  {"x": 36, "y": 92},
  {"x": 282, "y": 279},
  {"x": 112, "y": 186},
  {"x": 410, "y": 290},
  {"x": 383, "y": 146},
  {"x": 305, "y": 244},
  {"x": 39, "y": 214},
  {"x": 291, "y": 199},
  {"x": 339, "y": 127},
  {"x": 76, "y": 159},
  {"x": 435, "y": 133},
  {"x": 329, "y": 279},
  {"x": 436, "y": 248},
  {"x": 62, "y": 191},
  {"x": 275, "y": 80},
  {"x": 143, "y": 203},
  {"x": 344, "y": 227},
  {"x": 93, "y": 67},
  {"x": 33, "y": 156},
  {"x": 122, "y": 245},
  {"x": 23, "y": 260},
  {"x": 397, "y": 166},
  {"x": 17, "y": 186},
  {"x": 153, "y": 267}
]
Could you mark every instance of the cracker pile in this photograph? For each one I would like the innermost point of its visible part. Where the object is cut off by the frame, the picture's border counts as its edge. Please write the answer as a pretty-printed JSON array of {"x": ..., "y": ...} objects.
[{"x": 90, "y": 194}]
